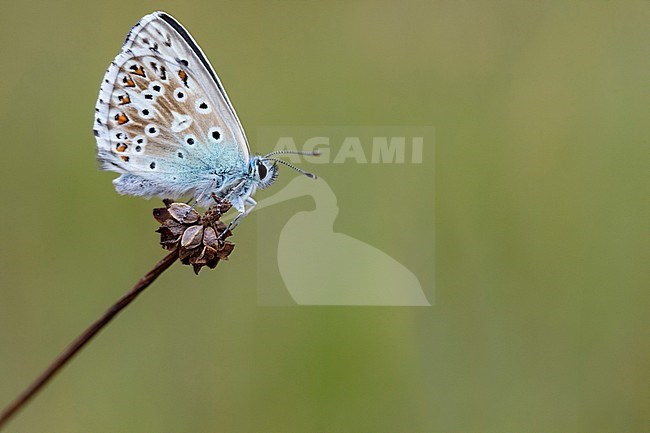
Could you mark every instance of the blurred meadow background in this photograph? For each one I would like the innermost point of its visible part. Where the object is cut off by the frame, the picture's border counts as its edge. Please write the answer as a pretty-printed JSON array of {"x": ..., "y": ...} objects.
[{"x": 526, "y": 223}]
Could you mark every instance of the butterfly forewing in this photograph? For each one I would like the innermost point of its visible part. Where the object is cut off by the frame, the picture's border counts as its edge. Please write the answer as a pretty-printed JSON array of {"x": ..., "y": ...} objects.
[{"x": 162, "y": 117}]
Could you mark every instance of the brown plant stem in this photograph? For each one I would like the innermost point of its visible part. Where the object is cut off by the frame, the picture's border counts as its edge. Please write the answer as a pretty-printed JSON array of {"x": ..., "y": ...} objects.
[{"x": 85, "y": 337}]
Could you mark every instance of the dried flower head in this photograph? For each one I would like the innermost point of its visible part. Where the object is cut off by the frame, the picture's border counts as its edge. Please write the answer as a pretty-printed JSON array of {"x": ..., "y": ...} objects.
[{"x": 199, "y": 238}]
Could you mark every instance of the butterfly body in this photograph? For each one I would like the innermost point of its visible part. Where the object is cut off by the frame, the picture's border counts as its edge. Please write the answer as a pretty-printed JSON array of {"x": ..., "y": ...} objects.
[{"x": 165, "y": 123}]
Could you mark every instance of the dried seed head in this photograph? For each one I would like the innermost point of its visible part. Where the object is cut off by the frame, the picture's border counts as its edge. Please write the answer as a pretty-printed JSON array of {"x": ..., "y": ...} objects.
[
  {"x": 210, "y": 237},
  {"x": 192, "y": 237},
  {"x": 183, "y": 213},
  {"x": 200, "y": 239}
]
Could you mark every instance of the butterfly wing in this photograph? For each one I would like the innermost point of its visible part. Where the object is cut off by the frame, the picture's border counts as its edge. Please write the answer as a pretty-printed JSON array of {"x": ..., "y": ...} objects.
[{"x": 163, "y": 119}]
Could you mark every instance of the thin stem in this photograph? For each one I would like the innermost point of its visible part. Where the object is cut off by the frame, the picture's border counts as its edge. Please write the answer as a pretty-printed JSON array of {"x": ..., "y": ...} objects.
[{"x": 85, "y": 337}]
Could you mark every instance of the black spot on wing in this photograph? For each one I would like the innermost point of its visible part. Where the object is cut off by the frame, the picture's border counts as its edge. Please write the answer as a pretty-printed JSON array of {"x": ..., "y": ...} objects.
[{"x": 188, "y": 39}]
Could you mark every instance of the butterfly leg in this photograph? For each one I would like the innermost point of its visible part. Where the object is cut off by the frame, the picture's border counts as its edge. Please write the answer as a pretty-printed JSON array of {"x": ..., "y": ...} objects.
[
  {"x": 238, "y": 219},
  {"x": 199, "y": 197}
]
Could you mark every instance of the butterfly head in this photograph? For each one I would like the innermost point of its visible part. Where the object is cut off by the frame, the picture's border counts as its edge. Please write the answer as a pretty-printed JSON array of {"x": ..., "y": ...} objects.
[{"x": 263, "y": 171}]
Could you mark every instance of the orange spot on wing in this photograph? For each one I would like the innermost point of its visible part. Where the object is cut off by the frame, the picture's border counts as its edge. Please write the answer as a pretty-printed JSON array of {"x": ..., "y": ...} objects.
[
  {"x": 137, "y": 70},
  {"x": 128, "y": 82},
  {"x": 121, "y": 118},
  {"x": 183, "y": 76},
  {"x": 125, "y": 158},
  {"x": 124, "y": 99},
  {"x": 121, "y": 147}
]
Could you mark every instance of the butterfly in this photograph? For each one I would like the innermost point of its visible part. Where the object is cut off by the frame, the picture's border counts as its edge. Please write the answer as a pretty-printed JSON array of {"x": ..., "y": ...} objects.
[{"x": 164, "y": 122}]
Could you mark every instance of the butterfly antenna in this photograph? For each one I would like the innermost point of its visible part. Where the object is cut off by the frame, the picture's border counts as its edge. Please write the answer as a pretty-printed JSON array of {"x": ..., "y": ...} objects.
[
  {"x": 293, "y": 152},
  {"x": 306, "y": 173}
]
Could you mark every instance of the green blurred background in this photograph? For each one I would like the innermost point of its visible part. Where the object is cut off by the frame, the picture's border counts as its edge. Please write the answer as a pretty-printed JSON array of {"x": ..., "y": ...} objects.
[{"x": 535, "y": 205}]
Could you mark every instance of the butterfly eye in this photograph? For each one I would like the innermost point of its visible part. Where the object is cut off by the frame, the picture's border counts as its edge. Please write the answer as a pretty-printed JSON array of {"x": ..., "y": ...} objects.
[{"x": 261, "y": 170}]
